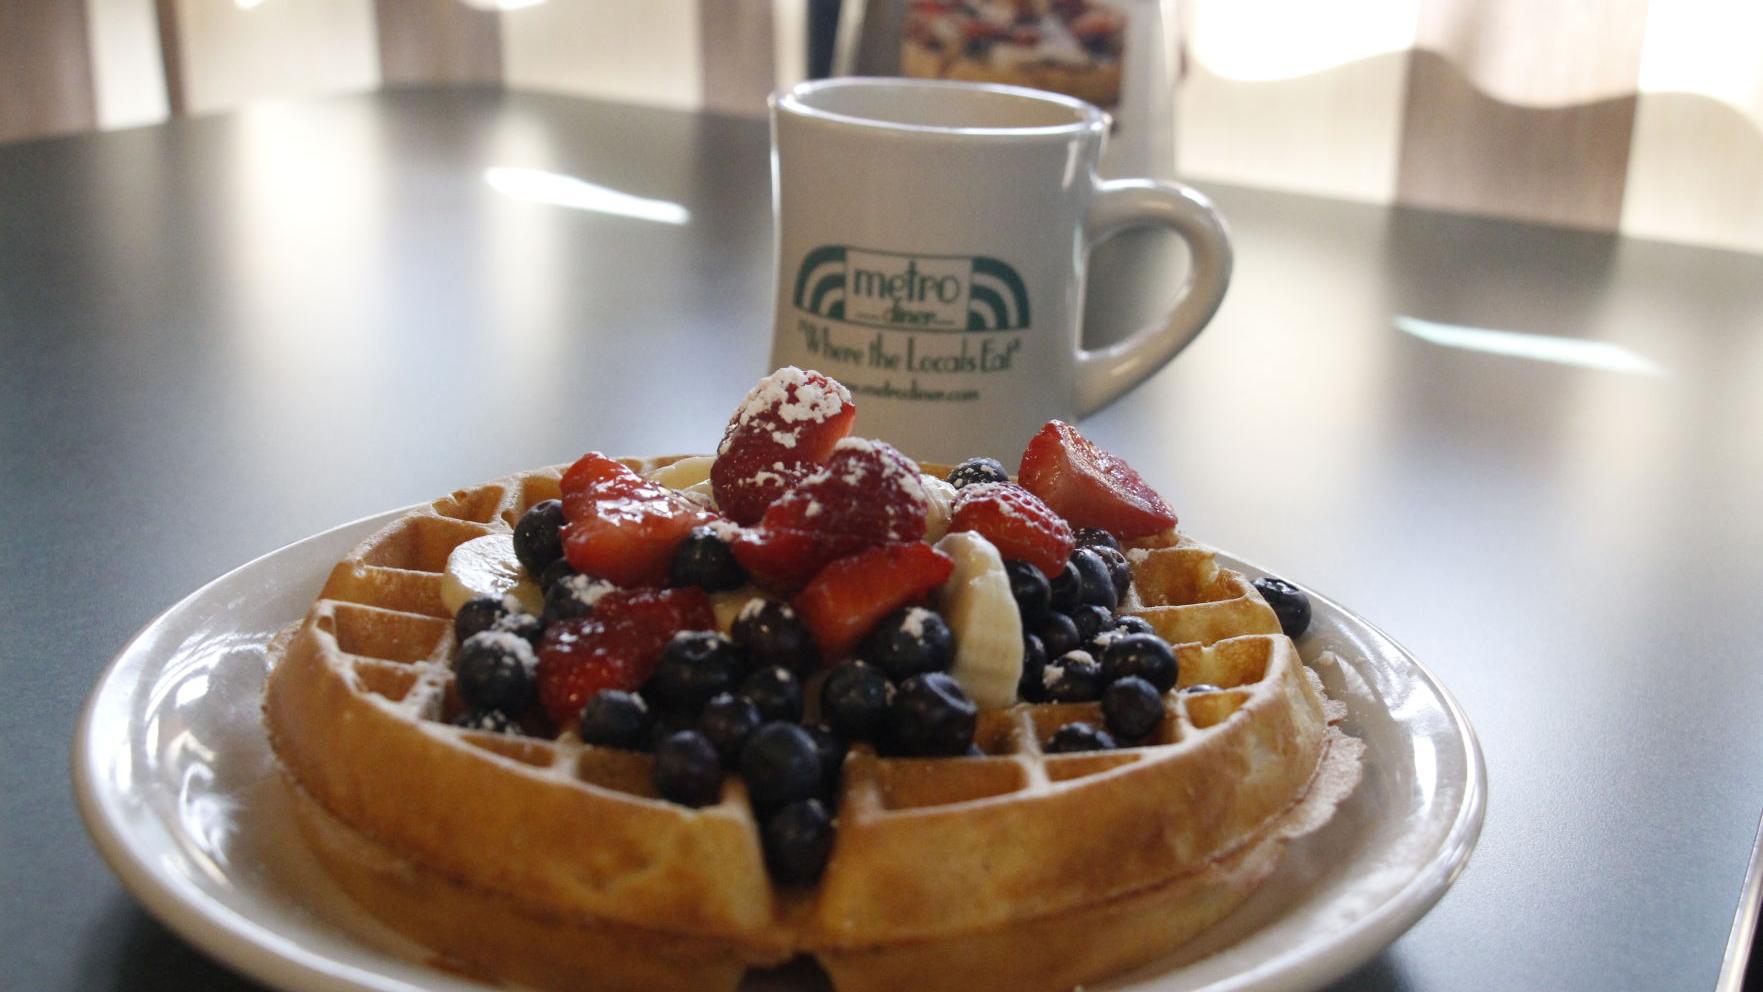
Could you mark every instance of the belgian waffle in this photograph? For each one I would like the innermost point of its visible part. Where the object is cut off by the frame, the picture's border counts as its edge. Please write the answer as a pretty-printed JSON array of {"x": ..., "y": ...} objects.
[{"x": 554, "y": 863}]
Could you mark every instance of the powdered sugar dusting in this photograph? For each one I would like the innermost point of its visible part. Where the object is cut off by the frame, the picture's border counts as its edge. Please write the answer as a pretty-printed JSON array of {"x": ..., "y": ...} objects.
[
  {"x": 586, "y": 589},
  {"x": 1009, "y": 502},
  {"x": 913, "y": 483},
  {"x": 509, "y": 643},
  {"x": 790, "y": 395},
  {"x": 488, "y": 721},
  {"x": 753, "y": 607},
  {"x": 726, "y": 530},
  {"x": 908, "y": 478},
  {"x": 854, "y": 443},
  {"x": 913, "y": 623},
  {"x": 897, "y": 471}
]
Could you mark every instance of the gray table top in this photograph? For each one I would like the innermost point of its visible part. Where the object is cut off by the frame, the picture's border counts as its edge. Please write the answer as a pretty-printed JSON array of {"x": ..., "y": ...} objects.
[{"x": 224, "y": 334}]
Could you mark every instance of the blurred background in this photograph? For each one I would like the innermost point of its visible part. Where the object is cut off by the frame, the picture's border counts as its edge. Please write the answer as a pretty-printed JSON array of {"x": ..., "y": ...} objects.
[{"x": 1630, "y": 116}]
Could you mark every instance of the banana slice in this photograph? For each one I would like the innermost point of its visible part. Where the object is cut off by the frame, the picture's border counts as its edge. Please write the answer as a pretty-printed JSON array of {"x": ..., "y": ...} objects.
[
  {"x": 685, "y": 473},
  {"x": 486, "y": 566},
  {"x": 701, "y": 494},
  {"x": 940, "y": 497},
  {"x": 981, "y": 613}
]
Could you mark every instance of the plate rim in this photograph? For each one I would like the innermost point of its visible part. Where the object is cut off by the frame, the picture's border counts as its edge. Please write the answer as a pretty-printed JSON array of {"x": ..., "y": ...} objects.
[
  {"x": 206, "y": 923},
  {"x": 1366, "y": 936},
  {"x": 264, "y": 955}
]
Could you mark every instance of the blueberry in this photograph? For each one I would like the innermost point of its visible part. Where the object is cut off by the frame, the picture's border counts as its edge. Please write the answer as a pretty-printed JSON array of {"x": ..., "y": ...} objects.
[
  {"x": 562, "y": 603},
  {"x": 931, "y": 715},
  {"x": 781, "y": 765},
  {"x": 687, "y": 770},
  {"x": 1074, "y": 678},
  {"x": 704, "y": 560},
  {"x": 798, "y": 840},
  {"x": 1032, "y": 687},
  {"x": 1058, "y": 634},
  {"x": 489, "y": 721},
  {"x": 666, "y": 723},
  {"x": 695, "y": 665},
  {"x": 776, "y": 691},
  {"x": 1132, "y": 707},
  {"x": 1145, "y": 655},
  {"x": 494, "y": 671},
  {"x": 1091, "y": 619},
  {"x": 1097, "y": 646},
  {"x": 1095, "y": 584},
  {"x": 908, "y": 642},
  {"x": 1067, "y": 589},
  {"x": 772, "y": 634},
  {"x": 1118, "y": 570},
  {"x": 1078, "y": 736},
  {"x": 559, "y": 569},
  {"x": 1096, "y": 537},
  {"x": 854, "y": 700},
  {"x": 1289, "y": 604},
  {"x": 573, "y": 596},
  {"x": 1031, "y": 591},
  {"x": 477, "y": 616},
  {"x": 726, "y": 721},
  {"x": 1129, "y": 624},
  {"x": 538, "y": 538},
  {"x": 615, "y": 718},
  {"x": 522, "y": 625},
  {"x": 831, "y": 748},
  {"x": 1201, "y": 687},
  {"x": 977, "y": 470}
]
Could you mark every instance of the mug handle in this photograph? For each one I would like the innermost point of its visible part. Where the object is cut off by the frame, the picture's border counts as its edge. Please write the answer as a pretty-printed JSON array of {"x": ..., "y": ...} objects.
[{"x": 1104, "y": 374}]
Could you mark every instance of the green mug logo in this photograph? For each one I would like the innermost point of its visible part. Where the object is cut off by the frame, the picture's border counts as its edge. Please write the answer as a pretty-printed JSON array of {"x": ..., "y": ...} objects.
[{"x": 917, "y": 292}]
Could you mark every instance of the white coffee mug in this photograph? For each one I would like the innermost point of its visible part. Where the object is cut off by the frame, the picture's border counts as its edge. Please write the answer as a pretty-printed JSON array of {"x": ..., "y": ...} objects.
[{"x": 932, "y": 240}]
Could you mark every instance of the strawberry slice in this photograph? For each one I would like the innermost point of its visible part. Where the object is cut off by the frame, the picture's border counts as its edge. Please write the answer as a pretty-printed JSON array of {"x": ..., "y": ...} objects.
[
  {"x": 616, "y": 646},
  {"x": 867, "y": 494},
  {"x": 851, "y": 595},
  {"x": 782, "y": 432},
  {"x": 1090, "y": 487},
  {"x": 1016, "y": 522},
  {"x": 620, "y": 526}
]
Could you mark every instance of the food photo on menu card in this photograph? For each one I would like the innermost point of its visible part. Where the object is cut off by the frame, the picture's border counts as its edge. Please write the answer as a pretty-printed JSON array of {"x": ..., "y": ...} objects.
[{"x": 859, "y": 495}]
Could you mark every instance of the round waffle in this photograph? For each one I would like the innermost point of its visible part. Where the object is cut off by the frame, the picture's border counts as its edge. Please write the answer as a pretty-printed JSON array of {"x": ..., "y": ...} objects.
[{"x": 554, "y": 863}]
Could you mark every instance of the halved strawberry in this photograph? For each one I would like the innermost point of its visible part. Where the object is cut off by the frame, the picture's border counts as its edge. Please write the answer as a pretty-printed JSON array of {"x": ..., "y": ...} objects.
[
  {"x": 1090, "y": 487},
  {"x": 616, "y": 646},
  {"x": 867, "y": 494},
  {"x": 620, "y": 526},
  {"x": 852, "y": 594},
  {"x": 594, "y": 471},
  {"x": 1016, "y": 522},
  {"x": 783, "y": 430}
]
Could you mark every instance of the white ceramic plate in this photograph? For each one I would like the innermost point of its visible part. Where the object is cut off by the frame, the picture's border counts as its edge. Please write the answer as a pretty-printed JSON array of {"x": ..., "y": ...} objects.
[{"x": 174, "y": 780}]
